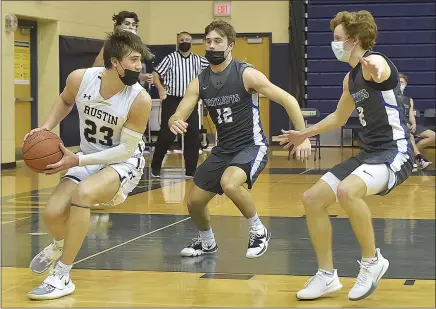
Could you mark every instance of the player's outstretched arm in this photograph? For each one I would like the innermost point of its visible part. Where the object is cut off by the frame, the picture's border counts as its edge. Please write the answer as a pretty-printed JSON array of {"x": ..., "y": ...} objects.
[
  {"x": 177, "y": 122},
  {"x": 131, "y": 134},
  {"x": 375, "y": 68},
  {"x": 335, "y": 120},
  {"x": 254, "y": 79}
]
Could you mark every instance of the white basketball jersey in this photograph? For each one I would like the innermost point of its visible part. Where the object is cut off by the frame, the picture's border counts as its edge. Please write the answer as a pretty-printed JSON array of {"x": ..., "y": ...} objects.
[{"x": 101, "y": 120}]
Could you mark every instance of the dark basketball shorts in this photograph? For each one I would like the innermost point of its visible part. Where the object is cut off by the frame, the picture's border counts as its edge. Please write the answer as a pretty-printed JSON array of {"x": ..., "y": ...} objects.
[
  {"x": 252, "y": 160},
  {"x": 381, "y": 171}
]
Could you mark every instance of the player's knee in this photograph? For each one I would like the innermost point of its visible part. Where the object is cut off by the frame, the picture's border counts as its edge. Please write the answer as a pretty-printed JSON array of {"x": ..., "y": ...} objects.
[
  {"x": 54, "y": 213},
  {"x": 228, "y": 186},
  {"x": 432, "y": 135},
  {"x": 312, "y": 201},
  {"x": 345, "y": 194},
  {"x": 194, "y": 202}
]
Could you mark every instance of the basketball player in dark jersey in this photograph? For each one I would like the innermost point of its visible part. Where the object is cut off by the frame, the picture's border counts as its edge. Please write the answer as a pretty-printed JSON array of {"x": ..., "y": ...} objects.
[
  {"x": 226, "y": 88},
  {"x": 428, "y": 136},
  {"x": 128, "y": 21},
  {"x": 372, "y": 88}
]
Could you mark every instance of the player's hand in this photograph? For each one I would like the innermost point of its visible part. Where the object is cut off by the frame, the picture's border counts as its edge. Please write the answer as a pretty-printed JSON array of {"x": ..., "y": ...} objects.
[
  {"x": 413, "y": 128},
  {"x": 148, "y": 78},
  {"x": 69, "y": 160},
  {"x": 162, "y": 94},
  {"x": 32, "y": 132},
  {"x": 302, "y": 151},
  {"x": 179, "y": 127},
  {"x": 291, "y": 137},
  {"x": 370, "y": 66}
]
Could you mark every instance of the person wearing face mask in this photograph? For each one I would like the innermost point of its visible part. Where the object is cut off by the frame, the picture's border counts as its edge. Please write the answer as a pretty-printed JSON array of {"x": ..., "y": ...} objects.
[
  {"x": 227, "y": 88},
  {"x": 171, "y": 78},
  {"x": 128, "y": 21},
  {"x": 371, "y": 87},
  {"x": 113, "y": 112},
  {"x": 427, "y": 136}
]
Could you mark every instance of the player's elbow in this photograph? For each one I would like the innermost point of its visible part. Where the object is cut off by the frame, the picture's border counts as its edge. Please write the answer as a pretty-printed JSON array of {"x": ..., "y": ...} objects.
[{"x": 338, "y": 120}]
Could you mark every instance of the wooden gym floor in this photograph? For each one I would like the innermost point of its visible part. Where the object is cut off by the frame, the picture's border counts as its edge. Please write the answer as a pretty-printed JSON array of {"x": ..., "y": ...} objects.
[{"x": 131, "y": 256}]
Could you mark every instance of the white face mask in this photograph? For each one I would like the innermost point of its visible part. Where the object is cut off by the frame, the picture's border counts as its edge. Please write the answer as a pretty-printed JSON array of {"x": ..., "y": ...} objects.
[
  {"x": 130, "y": 30},
  {"x": 339, "y": 51},
  {"x": 402, "y": 87}
]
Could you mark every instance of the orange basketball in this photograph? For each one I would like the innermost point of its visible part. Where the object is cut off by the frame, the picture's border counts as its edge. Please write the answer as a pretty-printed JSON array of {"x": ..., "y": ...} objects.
[{"x": 41, "y": 149}]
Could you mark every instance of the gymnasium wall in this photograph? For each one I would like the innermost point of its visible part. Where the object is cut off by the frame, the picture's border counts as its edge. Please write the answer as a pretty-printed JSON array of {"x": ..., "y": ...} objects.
[{"x": 159, "y": 23}]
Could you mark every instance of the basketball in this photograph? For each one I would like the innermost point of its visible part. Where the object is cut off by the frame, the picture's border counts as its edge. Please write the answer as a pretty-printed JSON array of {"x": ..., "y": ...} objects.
[{"x": 41, "y": 149}]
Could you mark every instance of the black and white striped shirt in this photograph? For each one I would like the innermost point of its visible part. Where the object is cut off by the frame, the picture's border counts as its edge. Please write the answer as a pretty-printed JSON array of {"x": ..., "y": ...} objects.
[{"x": 178, "y": 71}]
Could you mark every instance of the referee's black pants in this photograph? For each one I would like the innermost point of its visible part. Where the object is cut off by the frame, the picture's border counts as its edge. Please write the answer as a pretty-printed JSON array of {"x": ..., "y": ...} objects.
[{"x": 166, "y": 137}]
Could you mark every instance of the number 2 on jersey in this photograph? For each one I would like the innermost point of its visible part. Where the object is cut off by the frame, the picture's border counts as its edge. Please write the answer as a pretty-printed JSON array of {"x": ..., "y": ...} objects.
[
  {"x": 91, "y": 130},
  {"x": 224, "y": 115},
  {"x": 361, "y": 116}
]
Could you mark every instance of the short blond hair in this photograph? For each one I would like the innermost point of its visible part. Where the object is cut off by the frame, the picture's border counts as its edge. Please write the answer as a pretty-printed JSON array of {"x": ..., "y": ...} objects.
[{"x": 359, "y": 25}]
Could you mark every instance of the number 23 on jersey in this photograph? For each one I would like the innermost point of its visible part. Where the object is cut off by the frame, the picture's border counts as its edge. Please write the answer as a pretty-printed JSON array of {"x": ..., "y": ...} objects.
[{"x": 91, "y": 130}]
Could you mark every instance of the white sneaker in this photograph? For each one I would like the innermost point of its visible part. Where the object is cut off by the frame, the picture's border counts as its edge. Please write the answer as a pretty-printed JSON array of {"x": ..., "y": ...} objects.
[
  {"x": 47, "y": 257},
  {"x": 319, "y": 285},
  {"x": 368, "y": 278},
  {"x": 56, "y": 285}
]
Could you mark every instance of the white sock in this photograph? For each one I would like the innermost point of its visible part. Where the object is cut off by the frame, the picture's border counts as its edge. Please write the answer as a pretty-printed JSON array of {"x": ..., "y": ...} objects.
[
  {"x": 207, "y": 236},
  {"x": 326, "y": 272},
  {"x": 371, "y": 260},
  {"x": 255, "y": 222},
  {"x": 62, "y": 268}
]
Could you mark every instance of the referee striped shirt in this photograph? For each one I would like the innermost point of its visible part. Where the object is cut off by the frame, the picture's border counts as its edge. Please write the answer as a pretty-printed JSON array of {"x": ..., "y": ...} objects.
[{"x": 178, "y": 71}]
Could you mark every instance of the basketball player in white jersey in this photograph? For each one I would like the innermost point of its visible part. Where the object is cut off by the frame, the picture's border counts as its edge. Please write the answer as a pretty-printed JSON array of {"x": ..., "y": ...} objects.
[{"x": 113, "y": 110}]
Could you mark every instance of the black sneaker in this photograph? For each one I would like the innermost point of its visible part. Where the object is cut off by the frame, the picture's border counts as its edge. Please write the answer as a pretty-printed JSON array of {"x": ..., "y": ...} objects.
[
  {"x": 258, "y": 243},
  {"x": 196, "y": 248},
  {"x": 155, "y": 173}
]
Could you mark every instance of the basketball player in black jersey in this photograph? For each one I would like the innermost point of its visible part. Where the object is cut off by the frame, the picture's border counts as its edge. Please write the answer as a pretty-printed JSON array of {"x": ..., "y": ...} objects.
[
  {"x": 127, "y": 21},
  {"x": 372, "y": 87},
  {"x": 226, "y": 88},
  {"x": 427, "y": 136}
]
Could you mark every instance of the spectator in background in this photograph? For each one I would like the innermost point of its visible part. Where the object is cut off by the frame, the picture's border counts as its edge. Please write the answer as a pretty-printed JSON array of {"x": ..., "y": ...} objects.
[{"x": 426, "y": 136}]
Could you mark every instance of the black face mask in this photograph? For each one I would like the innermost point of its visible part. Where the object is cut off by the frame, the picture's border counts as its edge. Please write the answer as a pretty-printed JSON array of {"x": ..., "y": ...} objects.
[
  {"x": 215, "y": 57},
  {"x": 130, "y": 77},
  {"x": 184, "y": 47}
]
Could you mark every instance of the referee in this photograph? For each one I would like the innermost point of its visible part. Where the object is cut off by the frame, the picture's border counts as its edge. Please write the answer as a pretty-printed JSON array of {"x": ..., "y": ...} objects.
[{"x": 176, "y": 71}]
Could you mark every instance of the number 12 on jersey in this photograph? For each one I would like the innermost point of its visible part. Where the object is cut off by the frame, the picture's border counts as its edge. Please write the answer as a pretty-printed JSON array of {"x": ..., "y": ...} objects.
[{"x": 224, "y": 115}]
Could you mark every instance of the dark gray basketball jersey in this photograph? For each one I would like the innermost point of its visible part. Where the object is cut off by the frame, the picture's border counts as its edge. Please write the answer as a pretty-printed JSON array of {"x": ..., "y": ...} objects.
[
  {"x": 381, "y": 111},
  {"x": 406, "y": 104},
  {"x": 232, "y": 109}
]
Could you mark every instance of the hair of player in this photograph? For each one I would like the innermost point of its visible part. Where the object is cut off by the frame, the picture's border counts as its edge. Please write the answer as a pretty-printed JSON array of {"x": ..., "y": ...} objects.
[
  {"x": 359, "y": 25},
  {"x": 223, "y": 28},
  {"x": 403, "y": 76},
  {"x": 121, "y": 16},
  {"x": 121, "y": 44}
]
